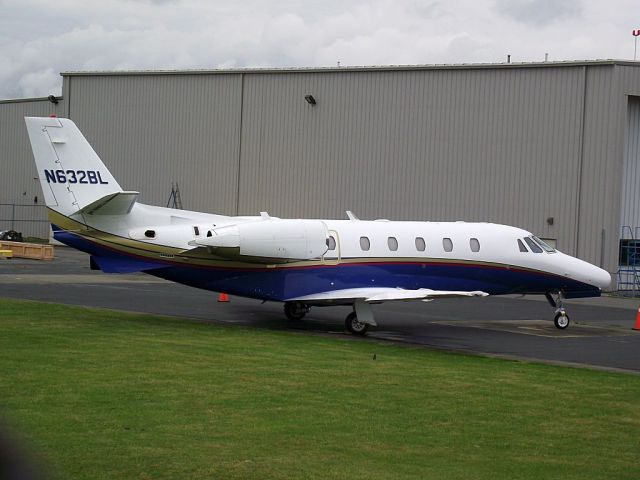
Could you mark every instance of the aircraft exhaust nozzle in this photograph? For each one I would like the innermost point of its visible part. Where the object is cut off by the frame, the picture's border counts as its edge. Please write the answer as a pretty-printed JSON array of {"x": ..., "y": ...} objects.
[{"x": 222, "y": 237}]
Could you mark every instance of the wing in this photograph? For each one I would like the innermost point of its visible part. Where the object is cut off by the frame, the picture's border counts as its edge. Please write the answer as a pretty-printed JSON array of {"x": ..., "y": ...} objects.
[{"x": 381, "y": 294}]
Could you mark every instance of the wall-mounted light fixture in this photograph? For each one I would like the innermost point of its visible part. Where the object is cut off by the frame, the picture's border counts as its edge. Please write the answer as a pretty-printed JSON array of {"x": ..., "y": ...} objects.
[
  {"x": 53, "y": 99},
  {"x": 550, "y": 221},
  {"x": 310, "y": 100}
]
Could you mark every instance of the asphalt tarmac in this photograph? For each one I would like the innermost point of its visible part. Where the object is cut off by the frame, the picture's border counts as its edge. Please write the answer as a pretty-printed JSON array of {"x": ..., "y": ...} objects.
[{"x": 600, "y": 335}]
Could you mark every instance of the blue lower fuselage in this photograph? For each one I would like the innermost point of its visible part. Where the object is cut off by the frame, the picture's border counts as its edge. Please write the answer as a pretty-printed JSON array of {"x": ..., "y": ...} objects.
[{"x": 282, "y": 283}]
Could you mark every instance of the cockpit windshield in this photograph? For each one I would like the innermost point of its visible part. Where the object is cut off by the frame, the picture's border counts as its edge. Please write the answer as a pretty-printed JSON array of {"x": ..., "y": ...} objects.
[
  {"x": 535, "y": 248},
  {"x": 545, "y": 246}
]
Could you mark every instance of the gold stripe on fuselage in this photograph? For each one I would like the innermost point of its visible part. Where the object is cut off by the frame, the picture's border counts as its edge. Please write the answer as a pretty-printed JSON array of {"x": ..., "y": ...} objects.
[{"x": 173, "y": 255}]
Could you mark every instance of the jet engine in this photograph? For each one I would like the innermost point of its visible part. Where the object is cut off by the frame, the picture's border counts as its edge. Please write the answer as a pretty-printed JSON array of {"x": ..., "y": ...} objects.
[{"x": 269, "y": 239}]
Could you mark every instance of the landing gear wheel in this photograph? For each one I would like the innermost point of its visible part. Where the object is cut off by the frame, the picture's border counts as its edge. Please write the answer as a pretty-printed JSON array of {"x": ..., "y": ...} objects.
[
  {"x": 561, "y": 320},
  {"x": 295, "y": 310},
  {"x": 352, "y": 324}
]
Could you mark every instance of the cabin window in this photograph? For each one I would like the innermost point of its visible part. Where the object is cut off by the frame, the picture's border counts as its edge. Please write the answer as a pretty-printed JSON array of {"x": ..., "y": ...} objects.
[
  {"x": 474, "y": 244},
  {"x": 533, "y": 245},
  {"x": 365, "y": 244},
  {"x": 150, "y": 233},
  {"x": 522, "y": 247},
  {"x": 209, "y": 233},
  {"x": 420, "y": 245},
  {"x": 447, "y": 244},
  {"x": 331, "y": 243},
  {"x": 393, "y": 243},
  {"x": 196, "y": 231}
]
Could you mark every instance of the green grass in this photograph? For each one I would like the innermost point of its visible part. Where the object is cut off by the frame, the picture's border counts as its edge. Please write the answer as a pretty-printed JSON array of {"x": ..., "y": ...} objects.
[
  {"x": 35, "y": 240},
  {"x": 103, "y": 394}
]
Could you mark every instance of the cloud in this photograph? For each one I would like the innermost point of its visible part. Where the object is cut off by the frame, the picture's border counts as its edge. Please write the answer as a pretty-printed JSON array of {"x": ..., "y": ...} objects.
[
  {"x": 39, "y": 38},
  {"x": 34, "y": 83},
  {"x": 540, "y": 12}
]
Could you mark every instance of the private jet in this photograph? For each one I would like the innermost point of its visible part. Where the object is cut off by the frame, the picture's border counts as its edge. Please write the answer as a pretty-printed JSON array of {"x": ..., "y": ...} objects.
[{"x": 302, "y": 263}]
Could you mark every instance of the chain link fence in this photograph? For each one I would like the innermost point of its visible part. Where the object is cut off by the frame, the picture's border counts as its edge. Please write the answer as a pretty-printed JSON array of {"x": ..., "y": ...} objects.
[{"x": 30, "y": 220}]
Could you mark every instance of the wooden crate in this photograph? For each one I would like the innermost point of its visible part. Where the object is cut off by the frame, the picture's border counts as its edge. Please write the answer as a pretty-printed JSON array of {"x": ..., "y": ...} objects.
[{"x": 34, "y": 251}]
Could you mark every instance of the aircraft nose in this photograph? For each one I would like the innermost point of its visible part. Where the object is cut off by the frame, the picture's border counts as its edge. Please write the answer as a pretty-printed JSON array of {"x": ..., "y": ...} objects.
[
  {"x": 588, "y": 273},
  {"x": 594, "y": 275},
  {"x": 599, "y": 277}
]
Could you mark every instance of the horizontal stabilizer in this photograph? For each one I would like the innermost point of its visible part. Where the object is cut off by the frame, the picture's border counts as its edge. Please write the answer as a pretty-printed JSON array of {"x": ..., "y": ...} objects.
[
  {"x": 122, "y": 265},
  {"x": 383, "y": 294},
  {"x": 119, "y": 203}
]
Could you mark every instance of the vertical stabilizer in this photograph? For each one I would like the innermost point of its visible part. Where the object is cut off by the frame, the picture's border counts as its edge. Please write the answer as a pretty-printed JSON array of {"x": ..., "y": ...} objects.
[{"x": 71, "y": 174}]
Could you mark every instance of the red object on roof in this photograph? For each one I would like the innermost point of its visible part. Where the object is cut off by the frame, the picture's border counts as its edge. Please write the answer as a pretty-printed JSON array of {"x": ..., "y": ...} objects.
[{"x": 53, "y": 115}]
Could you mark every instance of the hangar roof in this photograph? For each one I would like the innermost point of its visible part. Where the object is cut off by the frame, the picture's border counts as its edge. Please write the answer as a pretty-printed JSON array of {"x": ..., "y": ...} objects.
[{"x": 460, "y": 66}]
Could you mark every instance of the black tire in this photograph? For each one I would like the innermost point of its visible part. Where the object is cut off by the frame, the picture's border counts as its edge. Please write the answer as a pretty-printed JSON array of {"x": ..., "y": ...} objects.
[
  {"x": 561, "y": 320},
  {"x": 352, "y": 324},
  {"x": 295, "y": 311}
]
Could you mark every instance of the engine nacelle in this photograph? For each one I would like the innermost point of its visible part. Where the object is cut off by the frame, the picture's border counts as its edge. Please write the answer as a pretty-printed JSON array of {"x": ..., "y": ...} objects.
[{"x": 270, "y": 238}]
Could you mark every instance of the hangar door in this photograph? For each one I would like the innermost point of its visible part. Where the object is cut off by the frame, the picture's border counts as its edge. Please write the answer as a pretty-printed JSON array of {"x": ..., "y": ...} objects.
[{"x": 630, "y": 205}]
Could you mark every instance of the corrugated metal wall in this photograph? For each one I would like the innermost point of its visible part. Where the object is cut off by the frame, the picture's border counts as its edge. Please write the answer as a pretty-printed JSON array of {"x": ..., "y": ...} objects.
[
  {"x": 510, "y": 144},
  {"x": 630, "y": 193},
  {"x": 154, "y": 130},
  {"x": 19, "y": 185},
  {"x": 629, "y": 79},
  {"x": 599, "y": 192},
  {"x": 630, "y": 210},
  {"x": 485, "y": 145}
]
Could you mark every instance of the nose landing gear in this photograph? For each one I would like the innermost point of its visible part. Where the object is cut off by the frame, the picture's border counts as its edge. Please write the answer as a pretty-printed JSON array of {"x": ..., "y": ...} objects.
[{"x": 561, "y": 319}]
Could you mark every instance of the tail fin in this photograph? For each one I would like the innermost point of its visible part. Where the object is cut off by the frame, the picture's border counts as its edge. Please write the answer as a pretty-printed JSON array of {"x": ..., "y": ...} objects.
[{"x": 71, "y": 174}]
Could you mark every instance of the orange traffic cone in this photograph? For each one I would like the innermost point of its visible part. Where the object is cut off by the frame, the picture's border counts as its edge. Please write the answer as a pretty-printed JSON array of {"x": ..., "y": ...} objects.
[
  {"x": 637, "y": 325},
  {"x": 223, "y": 297}
]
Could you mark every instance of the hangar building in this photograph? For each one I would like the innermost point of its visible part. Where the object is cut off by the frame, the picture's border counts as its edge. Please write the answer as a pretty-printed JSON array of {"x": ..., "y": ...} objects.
[{"x": 551, "y": 147}]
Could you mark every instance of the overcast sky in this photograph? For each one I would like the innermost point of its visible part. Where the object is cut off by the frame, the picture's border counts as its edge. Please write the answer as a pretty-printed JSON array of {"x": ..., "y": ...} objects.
[{"x": 40, "y": 39}]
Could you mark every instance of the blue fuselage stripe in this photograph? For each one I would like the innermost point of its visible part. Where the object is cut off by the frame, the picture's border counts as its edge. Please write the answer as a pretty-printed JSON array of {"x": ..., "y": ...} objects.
[{"x": 283, "y": 283}]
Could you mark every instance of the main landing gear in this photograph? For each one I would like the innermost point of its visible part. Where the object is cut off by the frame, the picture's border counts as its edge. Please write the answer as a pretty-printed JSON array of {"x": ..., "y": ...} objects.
[
  {"x": 354, "y": 326},
  {"x": 356, "y": 323},
  {"x": 295, "y": 311},
  {"x": 561, "y": 319}
]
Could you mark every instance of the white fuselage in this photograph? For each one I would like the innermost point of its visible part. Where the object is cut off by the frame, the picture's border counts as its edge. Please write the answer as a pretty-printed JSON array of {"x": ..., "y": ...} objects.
[{"x": 392, "y": 240}]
